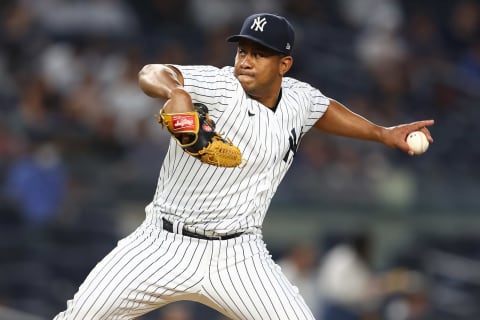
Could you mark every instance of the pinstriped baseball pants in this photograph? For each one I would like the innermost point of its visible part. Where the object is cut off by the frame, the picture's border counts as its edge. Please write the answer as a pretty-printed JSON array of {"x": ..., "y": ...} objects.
[{"x": 152, "y": 267}]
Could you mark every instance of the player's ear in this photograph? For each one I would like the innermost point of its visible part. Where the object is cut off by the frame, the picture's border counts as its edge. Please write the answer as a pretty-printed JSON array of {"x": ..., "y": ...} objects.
[{"x": 285, "y": 64}]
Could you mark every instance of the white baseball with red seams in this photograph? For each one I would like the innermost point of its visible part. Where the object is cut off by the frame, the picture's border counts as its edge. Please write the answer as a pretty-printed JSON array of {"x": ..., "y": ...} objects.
[{"x": 418, "y": 142}]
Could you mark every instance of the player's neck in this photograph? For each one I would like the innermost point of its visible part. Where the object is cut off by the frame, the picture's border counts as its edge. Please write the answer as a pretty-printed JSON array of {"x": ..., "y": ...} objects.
[
  {"x": 279, "y": 97},
  {"x": 270, "y": 102}
]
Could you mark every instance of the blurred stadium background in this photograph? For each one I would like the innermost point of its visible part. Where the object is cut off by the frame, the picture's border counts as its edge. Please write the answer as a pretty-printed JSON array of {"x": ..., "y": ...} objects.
[{"x": 80, "y": 150}]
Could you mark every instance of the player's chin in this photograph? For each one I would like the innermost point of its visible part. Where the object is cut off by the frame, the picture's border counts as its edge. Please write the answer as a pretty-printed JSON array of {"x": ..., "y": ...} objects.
[{"x": 247, "y": 82}]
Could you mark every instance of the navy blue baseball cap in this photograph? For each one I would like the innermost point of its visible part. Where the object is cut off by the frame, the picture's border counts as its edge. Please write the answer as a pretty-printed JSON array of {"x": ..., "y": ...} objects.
[{"x": 269, "y": 30}]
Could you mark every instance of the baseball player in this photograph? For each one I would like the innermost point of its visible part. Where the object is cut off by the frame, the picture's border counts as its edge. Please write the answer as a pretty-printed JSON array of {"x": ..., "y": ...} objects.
[{"x": 235, "y": 133}]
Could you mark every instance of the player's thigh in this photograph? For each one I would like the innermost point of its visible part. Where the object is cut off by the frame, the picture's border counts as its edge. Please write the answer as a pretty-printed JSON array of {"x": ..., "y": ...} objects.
[
  {"x": 120, "y": 285},
  {"x": 255, "y": 288}
]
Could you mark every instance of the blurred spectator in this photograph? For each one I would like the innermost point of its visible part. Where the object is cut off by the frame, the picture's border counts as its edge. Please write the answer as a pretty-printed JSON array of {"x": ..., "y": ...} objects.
[
  {"x": 309, "y": 10},
  {"x": 37, "y": 184},
  {"x": 216, "y": 53},
  {"x": 469, "y": 68},
  {"x": 85, "y": 103},
  {"x": 351, "y": 288},
  {"x": 463, "y": 26},
  {"x": 125, "y": 103},
  {"x": 85, "y": 18},
  {"x": 406, "y": 296},
  {"x": 299, "y": 266},
  {"x": 177, "y": 311},
  {"x": 156, "y": 14},
  {"x": 372, "y": 14},
  {"x": 346, "y": 280},
  {"x": 19, "y": 35},
  {"x": 213, "y": 14},
  {"x": 36, "y": 115},
  {"x": 428, "y": 63}
]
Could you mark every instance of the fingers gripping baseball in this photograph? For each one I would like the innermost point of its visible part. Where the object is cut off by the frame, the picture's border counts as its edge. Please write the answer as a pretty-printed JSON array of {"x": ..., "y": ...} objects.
[
  {"x": 194, "y": 131},
  {"x": 397, "y": 136}
]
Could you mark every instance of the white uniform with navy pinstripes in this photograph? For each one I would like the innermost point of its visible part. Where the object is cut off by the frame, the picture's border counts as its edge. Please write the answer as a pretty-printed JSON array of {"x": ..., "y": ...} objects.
[{"x": 152, "y": 267}]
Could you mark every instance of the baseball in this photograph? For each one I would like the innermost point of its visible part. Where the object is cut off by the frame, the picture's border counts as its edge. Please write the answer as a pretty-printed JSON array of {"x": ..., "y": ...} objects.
[{"x": 418, "y": 142}]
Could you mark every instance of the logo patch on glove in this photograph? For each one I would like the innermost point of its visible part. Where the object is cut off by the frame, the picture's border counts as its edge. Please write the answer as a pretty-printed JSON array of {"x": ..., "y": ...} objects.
[
  {"x": 194, "y": 131},
  {"x": 183, "y": 122}
]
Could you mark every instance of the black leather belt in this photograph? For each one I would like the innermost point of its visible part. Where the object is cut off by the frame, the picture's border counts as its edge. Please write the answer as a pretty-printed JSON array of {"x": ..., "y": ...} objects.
[{"x": 168, "y": 226}]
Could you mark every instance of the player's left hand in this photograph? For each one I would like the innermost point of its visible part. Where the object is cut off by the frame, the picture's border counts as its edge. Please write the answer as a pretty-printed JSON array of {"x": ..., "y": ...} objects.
[
  {"x": 195, "y": 133},
  {"x": 396, "y": 136}
]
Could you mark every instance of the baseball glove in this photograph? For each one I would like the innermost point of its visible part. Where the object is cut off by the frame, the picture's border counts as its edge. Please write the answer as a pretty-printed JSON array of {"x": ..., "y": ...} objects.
[{"x": 194, "y": 131}]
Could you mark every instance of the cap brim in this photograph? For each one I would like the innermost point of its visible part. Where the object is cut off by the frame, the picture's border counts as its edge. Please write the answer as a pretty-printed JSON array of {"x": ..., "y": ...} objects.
[
  {"x": 234, "y": 38},
  {"x": 237, "y": 38}
]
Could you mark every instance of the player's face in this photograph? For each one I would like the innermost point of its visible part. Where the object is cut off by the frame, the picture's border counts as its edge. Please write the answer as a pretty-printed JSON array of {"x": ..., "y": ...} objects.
[{"x": 259, "y": 69}]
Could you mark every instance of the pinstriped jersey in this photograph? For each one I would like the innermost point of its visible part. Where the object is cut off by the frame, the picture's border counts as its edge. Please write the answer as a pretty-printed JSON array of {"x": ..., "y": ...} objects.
[{"x": 214, "y": 200}]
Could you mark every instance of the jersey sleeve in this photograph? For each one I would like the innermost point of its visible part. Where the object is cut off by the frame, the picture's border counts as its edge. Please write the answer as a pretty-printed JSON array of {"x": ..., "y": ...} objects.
[
  {"x": 206, "y": 84},
  {"x": 311, "y": 104},
  {"x": 318, "y": 105}
]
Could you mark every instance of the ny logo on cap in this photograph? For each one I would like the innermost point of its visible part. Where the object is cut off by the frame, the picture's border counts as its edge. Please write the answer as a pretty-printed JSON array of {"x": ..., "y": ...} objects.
[{"x": 259, "y": 23}]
